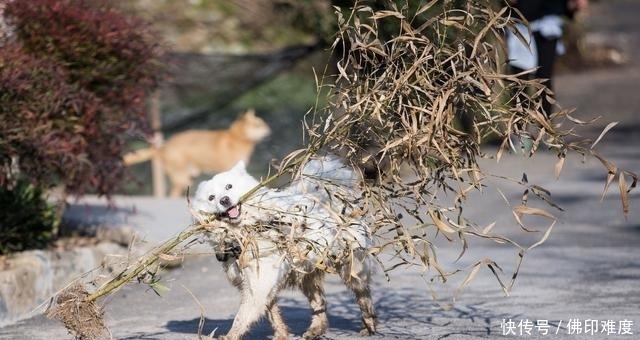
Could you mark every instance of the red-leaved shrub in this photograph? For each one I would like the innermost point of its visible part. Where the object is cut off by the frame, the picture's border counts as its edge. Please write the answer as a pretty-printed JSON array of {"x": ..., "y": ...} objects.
[{"x": 74, "y": 78}]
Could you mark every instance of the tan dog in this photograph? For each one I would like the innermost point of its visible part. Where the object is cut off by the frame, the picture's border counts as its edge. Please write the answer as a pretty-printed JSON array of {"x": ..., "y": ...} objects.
[{"x": 188, "y": 154}]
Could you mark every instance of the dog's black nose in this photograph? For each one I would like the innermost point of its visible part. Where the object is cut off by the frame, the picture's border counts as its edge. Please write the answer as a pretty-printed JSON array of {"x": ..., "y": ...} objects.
[{"x": 225, "y": 201}]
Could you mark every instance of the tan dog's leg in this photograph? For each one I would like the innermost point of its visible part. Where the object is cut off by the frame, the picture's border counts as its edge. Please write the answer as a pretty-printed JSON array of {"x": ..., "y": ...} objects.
[
  {"x": 180, "y": 180},
  {"x": 311, "y": 286}
]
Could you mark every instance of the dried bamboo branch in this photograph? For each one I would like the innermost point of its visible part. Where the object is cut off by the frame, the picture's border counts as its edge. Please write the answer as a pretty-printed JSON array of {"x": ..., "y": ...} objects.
[{"x": 144, "y": 263}]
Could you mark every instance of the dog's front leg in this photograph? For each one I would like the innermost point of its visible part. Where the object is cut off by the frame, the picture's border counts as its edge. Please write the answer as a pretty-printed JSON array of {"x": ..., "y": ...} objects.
[
  {"x": 262, "y": 280},
  {"x": 311, "y": 286}
]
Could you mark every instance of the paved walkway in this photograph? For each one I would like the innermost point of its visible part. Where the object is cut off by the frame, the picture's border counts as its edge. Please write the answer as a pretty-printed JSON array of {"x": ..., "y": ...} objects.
[{"x": 583, "y": 280}]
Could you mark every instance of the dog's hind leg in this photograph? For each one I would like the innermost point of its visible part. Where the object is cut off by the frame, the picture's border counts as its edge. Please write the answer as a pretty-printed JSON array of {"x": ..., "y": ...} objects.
[
  {"x": 180, "y": 180},
  {"x": 262, "y": 280},
  {"x": 311, "y": 286},
  {"x": 281, "y": 332},
  {"x": 357, "y": 277}
]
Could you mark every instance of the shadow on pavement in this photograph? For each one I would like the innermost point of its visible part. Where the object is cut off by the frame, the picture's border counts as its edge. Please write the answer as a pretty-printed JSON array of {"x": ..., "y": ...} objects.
[
  {"x": 146, "y": 336},
  {"x": 400, "y": 314},
  {"x": 296, "y": 318}
]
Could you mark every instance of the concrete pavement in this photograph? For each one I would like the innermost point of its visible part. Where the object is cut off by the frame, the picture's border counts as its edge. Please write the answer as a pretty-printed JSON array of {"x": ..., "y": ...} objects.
[{"x": 587, "y": 270}]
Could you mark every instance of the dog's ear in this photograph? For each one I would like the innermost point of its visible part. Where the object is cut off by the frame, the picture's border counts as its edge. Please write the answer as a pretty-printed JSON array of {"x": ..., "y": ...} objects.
[
  {"x": 239, "y": 167},
  {"x": 250, "y": 113},
  {"x": 200, "y": 189}
]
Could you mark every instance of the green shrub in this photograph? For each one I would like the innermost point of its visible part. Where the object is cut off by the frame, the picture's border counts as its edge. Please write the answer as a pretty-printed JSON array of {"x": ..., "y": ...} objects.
[{"x": 27, "y": 221}]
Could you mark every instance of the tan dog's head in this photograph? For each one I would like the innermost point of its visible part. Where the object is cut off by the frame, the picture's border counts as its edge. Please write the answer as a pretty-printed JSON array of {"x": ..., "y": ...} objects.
[{"x": 252, "y": 126}]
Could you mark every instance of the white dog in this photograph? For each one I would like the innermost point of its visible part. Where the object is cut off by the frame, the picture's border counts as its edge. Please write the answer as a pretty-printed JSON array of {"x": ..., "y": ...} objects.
[{"x": 296, "y": 235}]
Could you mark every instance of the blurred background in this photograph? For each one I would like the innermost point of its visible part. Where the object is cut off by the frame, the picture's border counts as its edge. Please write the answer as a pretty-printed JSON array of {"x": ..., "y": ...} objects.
[
  {"x": 98, "y": 67},
  {"x": 227, "y": 56}
]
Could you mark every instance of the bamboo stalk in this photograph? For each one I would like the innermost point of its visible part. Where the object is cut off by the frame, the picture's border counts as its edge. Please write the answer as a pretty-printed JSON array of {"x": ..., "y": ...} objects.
[{"x": 122, "y": 279}]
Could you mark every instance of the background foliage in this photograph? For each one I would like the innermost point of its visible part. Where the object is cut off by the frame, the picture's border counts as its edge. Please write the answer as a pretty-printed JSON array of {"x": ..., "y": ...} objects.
[
  {"x": 27, "y": 220},
  {"x": 74, "y": 77}
]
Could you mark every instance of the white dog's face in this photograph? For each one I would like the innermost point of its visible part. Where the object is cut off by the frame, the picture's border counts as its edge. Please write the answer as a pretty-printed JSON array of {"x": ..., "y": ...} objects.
[{"x": 221, "y": 194}]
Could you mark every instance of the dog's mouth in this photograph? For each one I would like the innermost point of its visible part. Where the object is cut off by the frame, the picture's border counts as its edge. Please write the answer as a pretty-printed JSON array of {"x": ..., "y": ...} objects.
[{"x": 233, "y": 213}]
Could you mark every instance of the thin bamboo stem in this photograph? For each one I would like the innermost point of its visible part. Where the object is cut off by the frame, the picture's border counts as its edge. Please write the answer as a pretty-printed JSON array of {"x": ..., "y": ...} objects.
[{"x": 122, "y": 279}]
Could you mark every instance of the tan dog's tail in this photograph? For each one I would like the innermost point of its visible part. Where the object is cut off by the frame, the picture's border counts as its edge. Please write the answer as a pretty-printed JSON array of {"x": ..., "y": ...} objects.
[{"x": 139, "y": 156}]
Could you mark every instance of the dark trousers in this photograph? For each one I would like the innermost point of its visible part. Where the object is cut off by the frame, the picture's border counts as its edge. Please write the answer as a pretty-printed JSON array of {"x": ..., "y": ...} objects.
[{"x": 546, "y": 59}]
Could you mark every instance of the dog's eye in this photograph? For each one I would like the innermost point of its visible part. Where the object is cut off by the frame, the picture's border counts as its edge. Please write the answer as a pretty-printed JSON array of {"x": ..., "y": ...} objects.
[
  {"x": 212, "y": 197},
  {"x": 228, "y": 187}
]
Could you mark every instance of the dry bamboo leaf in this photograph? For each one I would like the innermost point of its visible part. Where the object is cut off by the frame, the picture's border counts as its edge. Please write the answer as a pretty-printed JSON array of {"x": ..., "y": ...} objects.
[
  {"x": 467, "y": 280},
  {"x": 524, "y": 210},
  {"x": 433, "y": 263},
  {"x": 544, "y": 195},
  {"x": 559, "y": 165},
  {"x": 488, "y": 228},
  {"x": 426, "y": 7},
  {"x": 452, "y": 22},
  {"x": 543, "y": 121},
  {"x": 624, "y": 194},
  {"x": 518, "y": 264},
  {"x": 604, "y": 131},
  {"x": 493, "y": 266},
  {"x": 503, "y": 196},
  {"x": 441, "y": 225},
  {"x": 525, "y": 197},
  {"x": 486, "y": 28},
  {"x": 493, "y": 238},
  {"x": 341, "y": 70},
  {"x": 384, "y": 14},
  {"x": 501, "y": 149},
  {"x": 544, "y": 237},
  {"x": 519, "y": 211},
  {"x": 581, "y": 122},
  {"x": 465, "y": 246},
  {"x": 364, "y": 9},
  {"x": 519, "y": 221},
  {"x": 611, "y": 171},
  {"x": 635, "y": 179},
  {"x": 170, "y": 258}
]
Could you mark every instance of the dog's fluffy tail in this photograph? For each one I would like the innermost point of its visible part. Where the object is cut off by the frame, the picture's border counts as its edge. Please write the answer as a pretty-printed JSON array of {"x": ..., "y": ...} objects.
[
  {"x": 326, "y": 171},
  {"x": 138, "y": 156}
]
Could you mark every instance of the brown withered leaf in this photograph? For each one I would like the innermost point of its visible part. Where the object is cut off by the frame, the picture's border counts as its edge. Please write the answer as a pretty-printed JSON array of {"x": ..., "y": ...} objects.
[
  {"x": 612, "y": 170},
  {"x": 604, "y": 131}
]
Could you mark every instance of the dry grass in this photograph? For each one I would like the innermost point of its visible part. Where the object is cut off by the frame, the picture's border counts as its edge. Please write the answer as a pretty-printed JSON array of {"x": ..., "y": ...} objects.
[{"x": 84, "y": 319}]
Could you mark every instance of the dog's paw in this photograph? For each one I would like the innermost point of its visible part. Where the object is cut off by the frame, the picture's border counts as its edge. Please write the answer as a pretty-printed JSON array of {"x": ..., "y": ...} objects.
[
  {"x": 367, "y": 332},
  {"x": 368, "y": 325},
  {"x": 314, "y": 333},
  {"x": 228, "y": 249}
]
